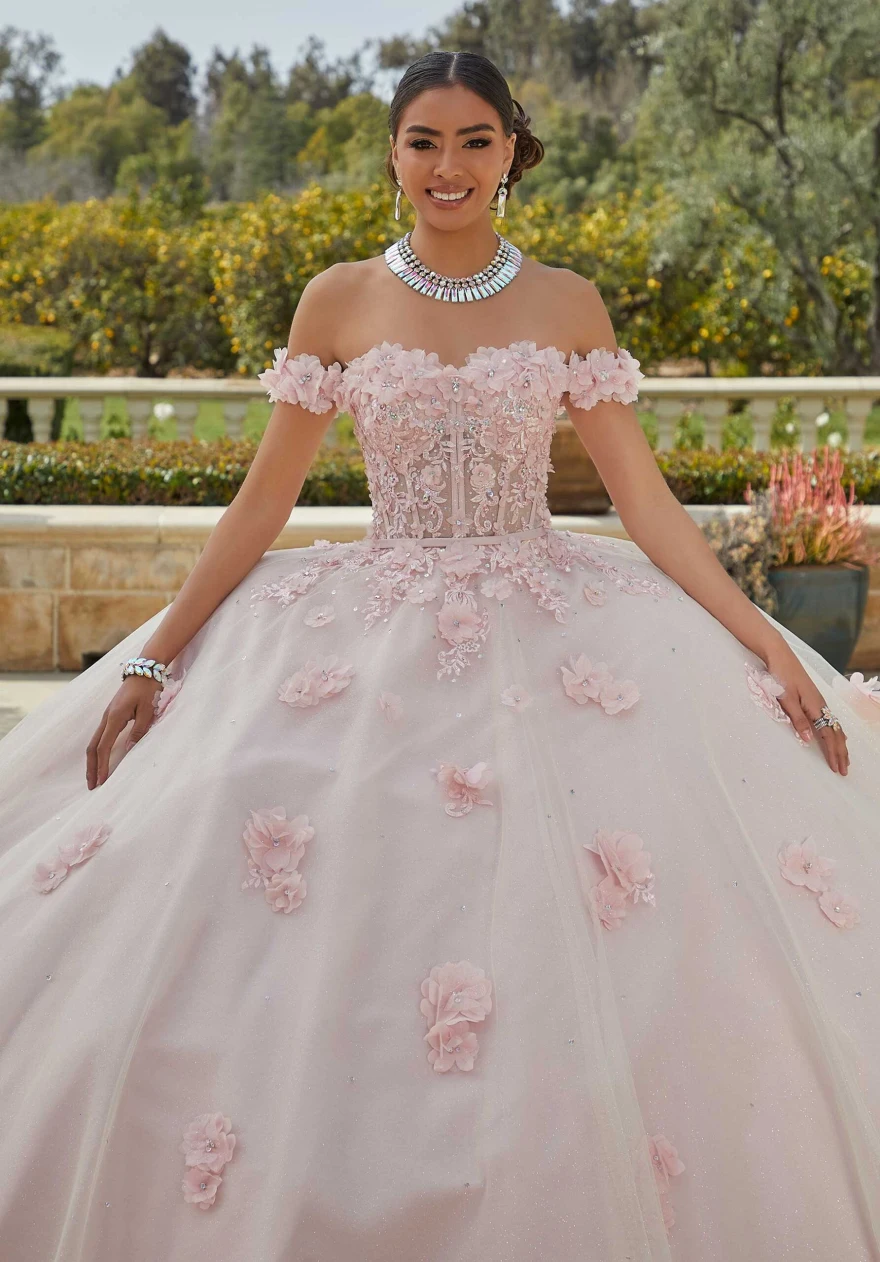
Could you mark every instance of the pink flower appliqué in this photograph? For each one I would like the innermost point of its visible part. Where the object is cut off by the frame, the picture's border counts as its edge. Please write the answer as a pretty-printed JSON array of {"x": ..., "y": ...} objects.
[
  {"x": 86, "y": 843},
  {"x": 458, "y": 618},
  {"x": 390, "y": 705},
  {"x": 617, "y": 695},
  {"x": 286, "y": 891},
  {"x": 582, "y": 681},
  {"x": 315, "y": 681},
  {"x": 497, "y": 586},
  {"x": 275, "y": 845},
  {"x": 841, "y": 909},
  {"x": 515, "y": 697},
  {"x": 491, "y": 370},
  {"x": 626, "y": 861},
  {"x": 864, "y": 694},
  {"x": 164, "y": 696},
  {"x": 602, "y": 376},
  {"x": 667, "y": 1164},
  {"x": 463, "y": 786},
  {"x": 460, "y": 560},
  {"x": 765, "y": 688},
  {"x": 595, "y": 594},
  {"x": 801, "y": 865},
  {"x": 208, "y": 1145},
  {"x": 303, "y": 380},
  {"x": 453, "y": 996},
  {"x": 609, "y": 902},
  {"x": 319, "y": 616}
]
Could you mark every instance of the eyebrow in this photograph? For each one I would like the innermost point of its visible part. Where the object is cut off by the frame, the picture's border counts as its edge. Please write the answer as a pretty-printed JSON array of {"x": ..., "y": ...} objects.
[{"x": 462, "y": 131}]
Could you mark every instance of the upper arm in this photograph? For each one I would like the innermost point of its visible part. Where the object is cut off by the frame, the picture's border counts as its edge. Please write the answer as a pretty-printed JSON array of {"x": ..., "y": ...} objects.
[
  {"x": 609, "y": 430},
  {"x": 295, "y": 432}
]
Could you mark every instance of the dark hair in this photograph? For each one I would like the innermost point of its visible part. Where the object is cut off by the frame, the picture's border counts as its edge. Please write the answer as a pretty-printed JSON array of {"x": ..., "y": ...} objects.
[{"x": 443, "y": 69}]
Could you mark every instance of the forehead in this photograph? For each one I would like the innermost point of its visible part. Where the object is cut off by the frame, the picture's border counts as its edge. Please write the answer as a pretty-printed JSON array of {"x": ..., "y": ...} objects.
[{"x": 449, "y": 108}]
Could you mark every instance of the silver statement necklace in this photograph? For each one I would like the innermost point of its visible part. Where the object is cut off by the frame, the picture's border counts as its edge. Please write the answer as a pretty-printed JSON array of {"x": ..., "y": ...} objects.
[{"x": 405, "y": 263}]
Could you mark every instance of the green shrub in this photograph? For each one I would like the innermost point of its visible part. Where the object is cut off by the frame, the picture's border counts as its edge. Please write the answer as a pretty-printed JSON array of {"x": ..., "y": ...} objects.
[
  {"x": 711, "y": 477},
  {"x": 117, "y": 471}
]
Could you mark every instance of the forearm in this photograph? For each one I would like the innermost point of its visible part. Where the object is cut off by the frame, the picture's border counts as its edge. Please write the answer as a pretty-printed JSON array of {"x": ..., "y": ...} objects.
[
  {"x": 674, "y": 542},
  {"x": 240, "y": 538}
]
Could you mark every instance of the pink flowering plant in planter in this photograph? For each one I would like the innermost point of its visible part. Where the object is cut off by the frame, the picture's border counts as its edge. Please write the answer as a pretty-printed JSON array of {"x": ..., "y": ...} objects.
[{"x": 802, "y": 553}]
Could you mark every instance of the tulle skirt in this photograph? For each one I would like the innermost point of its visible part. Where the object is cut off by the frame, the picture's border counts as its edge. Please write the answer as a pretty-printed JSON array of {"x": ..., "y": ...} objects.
[{"x": 443, "y": 930}]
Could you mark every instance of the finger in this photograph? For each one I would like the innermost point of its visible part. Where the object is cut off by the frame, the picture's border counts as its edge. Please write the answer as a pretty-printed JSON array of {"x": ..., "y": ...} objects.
[
  {"x": 114, "y": 725},
  {"x": 827, "y": 747},
  {"x": 838, "y": 741},
  {"x": 92, "y": 753},
  {"x": 800, "y": 721}
]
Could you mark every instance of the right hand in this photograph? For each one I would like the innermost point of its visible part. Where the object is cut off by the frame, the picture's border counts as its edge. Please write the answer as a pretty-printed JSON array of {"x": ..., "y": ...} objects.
[{"x": 133, "y": 700}]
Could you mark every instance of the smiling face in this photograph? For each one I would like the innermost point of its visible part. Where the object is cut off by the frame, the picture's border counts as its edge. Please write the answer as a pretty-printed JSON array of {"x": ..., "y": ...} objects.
[{"x": 450, "y": 153}]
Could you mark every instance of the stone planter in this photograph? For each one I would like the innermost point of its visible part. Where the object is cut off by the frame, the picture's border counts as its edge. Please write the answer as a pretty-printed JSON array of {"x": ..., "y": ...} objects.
[
  {"x": 574, "y": 486},
  {"x": 824, "y": 605}
]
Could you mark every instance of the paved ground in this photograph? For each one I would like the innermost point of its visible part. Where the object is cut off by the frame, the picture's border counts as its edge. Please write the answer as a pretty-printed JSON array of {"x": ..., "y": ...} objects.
[{"x": 22, "y": 692}]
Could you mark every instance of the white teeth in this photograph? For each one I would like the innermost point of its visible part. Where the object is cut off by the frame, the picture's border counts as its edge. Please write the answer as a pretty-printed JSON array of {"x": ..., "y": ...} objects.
[{"x": 449, "y": 197}]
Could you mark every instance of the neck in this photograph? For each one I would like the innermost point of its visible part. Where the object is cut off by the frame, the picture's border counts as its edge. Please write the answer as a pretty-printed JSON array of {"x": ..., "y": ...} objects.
[{"x": 458, "y": 253}]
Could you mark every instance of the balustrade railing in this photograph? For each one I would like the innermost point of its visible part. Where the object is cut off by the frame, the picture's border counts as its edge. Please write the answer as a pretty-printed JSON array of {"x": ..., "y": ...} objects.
[{"x": 668, "y": 398}]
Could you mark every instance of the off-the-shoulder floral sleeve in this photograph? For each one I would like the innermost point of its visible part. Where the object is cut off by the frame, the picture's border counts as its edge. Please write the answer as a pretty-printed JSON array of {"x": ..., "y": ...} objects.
[
  {"x": 302, "y": 379},
  {"x": 602, "y": 376}
]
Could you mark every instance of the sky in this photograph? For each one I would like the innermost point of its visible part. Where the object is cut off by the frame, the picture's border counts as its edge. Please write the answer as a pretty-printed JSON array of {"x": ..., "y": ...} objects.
[{"x": 95, "y": 37}]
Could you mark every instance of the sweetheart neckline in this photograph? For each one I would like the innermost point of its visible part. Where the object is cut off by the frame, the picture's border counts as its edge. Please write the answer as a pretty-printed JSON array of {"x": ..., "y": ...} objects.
[{"x": 492, "y": 350}]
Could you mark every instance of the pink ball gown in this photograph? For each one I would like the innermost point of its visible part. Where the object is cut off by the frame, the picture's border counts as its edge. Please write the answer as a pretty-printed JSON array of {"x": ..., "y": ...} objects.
[{"x": 471, "y": 898}]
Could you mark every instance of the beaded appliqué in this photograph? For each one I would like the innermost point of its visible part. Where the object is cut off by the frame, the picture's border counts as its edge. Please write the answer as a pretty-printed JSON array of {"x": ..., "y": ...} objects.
[
  {"x": 208, "y": 1145},
  {"x": 666, "y": 1164},
  {"x": 275, "y": 845},
  {"x": 409, "y": 572},
  {"x": 454, "y": 998},
  {"x": 801, "y": 865},
  {"x": 628, "y": 875},
  {"x": 49, "y": 874}
]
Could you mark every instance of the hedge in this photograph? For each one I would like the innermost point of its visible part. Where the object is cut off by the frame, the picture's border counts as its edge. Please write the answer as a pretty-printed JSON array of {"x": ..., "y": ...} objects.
[{"x": 117, "y": 471}]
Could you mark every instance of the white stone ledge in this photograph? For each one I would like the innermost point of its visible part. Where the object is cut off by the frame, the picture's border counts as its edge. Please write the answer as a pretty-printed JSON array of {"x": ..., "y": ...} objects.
[{"x": 144, "y": 523}]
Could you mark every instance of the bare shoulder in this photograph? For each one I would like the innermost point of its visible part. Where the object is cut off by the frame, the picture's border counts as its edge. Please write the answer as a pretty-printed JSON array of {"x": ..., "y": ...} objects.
[
  {"x": 579, "y": 311},
  {"x": 316, "y": 322}
]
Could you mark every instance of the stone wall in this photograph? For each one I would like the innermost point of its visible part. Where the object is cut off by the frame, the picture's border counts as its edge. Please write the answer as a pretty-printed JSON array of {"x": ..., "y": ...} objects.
[{"x": 74, "y": 580}]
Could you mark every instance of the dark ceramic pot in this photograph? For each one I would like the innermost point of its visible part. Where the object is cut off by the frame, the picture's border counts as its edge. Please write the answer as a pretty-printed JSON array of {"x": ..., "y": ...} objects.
[{"x": 824, "y": 605}]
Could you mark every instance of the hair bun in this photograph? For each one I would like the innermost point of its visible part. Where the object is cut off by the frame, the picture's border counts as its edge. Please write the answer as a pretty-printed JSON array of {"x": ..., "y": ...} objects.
[{"x": 528, "y": 151}]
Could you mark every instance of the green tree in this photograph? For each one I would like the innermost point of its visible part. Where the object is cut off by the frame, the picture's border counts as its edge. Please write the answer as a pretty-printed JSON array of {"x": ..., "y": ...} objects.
[
  {"x": 254, "y": 132},
  {"x": 162, "y": 73},
  {"x": 773, "y": 106},
  {"x": 321, "y": 84},
  {"x": 350, "y": 141},
  {"x": 105, "y": 125},
  {"x": 28, "y": 68}
]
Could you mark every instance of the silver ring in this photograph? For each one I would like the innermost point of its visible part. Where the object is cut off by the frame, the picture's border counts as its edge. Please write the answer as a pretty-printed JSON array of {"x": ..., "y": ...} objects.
[{"x": 827, "y": 719}]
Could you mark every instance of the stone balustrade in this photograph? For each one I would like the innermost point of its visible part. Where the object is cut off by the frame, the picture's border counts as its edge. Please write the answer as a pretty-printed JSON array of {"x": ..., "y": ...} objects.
[{"x": 667, "y": 397}]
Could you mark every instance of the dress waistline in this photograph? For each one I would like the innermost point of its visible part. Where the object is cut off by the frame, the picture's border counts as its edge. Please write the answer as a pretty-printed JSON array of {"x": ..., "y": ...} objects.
[{"x": 385, "y": 541}]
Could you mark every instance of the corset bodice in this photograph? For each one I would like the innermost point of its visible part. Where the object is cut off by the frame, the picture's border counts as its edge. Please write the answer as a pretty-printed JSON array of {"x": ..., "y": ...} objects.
[{"x": 455, "y": 451}]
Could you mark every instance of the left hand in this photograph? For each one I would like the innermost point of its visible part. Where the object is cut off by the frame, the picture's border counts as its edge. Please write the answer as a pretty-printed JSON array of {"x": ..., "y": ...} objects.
[{"x": 802, "y": 702}]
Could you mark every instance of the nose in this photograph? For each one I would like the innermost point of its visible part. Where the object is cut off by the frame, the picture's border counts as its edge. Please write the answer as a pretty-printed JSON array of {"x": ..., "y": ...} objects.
[{"x": 447, "y": 164}]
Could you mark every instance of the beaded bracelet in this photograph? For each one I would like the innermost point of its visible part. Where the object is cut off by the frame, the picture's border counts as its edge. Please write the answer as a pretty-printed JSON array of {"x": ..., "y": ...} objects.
[{"x": 146, "y": 666}]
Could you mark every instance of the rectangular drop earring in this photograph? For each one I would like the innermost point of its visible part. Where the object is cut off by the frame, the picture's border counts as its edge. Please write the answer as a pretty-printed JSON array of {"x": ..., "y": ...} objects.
[
  {"x": 397, "y": 202},
  {"x": 502, "y": 196}
]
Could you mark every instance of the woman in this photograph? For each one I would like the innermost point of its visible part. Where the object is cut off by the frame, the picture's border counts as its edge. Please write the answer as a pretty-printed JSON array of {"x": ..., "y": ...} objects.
[{"x": 453, "y": 758}]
